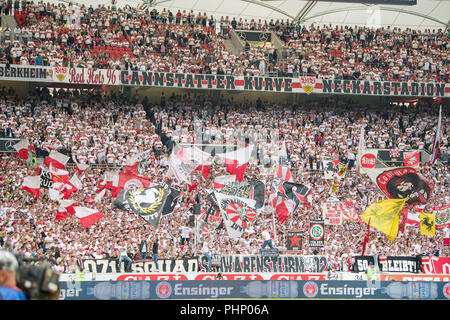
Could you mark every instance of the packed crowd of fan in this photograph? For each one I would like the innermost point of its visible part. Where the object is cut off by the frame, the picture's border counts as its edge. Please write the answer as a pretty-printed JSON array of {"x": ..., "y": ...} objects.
[
  {"x": 105, "y": 130},
  {"x": 129, "y": 38}
]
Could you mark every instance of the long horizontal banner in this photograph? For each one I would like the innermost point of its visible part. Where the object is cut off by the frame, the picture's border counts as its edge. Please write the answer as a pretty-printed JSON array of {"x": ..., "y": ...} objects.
[
  {"x": 245, "y": 289},
  {"x": 303, "y": 84},
  {"x": 222, "y": 263}
]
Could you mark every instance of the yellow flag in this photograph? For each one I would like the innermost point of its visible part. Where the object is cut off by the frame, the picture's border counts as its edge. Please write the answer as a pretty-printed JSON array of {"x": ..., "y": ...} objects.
[
  {"x": 334, "y": 187},
  {"x": 427, "y": 224},
  {"x": 342, "y": 170},
  {"x": 384, "y": 216}
]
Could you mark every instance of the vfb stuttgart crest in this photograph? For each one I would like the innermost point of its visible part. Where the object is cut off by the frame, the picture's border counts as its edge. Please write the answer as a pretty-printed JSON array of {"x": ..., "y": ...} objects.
[
  {"x": 308, "y": 83},
  {"x": 60, "y": 73}
]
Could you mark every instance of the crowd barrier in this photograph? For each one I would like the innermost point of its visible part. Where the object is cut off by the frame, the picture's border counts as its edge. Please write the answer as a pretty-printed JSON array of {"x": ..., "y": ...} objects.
[{"x": 245, "y": 289}]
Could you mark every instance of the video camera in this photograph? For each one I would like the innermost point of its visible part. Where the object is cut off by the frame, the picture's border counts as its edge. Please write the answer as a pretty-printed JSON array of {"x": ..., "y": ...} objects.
[{"x": 36, "y": 279}]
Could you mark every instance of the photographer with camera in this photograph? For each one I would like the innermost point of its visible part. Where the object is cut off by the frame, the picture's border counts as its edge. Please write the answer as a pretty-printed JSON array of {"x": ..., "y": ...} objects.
[{"x": 8, "y": 269}]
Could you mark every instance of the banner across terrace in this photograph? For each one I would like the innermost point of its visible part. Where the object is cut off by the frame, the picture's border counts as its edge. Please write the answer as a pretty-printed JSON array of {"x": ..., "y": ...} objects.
[
  {"x": 226, "y": 263},
  {"x": 308, "y": 85}
]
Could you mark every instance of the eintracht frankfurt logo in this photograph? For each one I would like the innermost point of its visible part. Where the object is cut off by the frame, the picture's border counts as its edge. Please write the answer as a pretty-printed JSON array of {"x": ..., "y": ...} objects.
[
  {"x": 316, "y": 232},
  {"x": 446, "y": 290},
  {"x": 310, "y": 289},
  {"x": 163, "y": 289}
]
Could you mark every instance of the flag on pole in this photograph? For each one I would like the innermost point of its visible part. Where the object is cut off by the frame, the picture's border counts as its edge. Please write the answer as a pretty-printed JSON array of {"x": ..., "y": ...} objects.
[
  {"x": 361, "y": 145},
  {"x": 385, "y": 216},
  {"x": 236, "y": 161},
  {"x": 56, "y": 159},
  {"x": 81, "y": 167},
  {"x": 22, "y": 149},
  {"x": 436, "y": 140},
  {"x": 32, "y": 184},
  {"x": 283, "y": 173},
  {"x": 68, "y": 205},
  {"x": 87, "y": 216},
  {"x": 61, "y": 213},
  {"x": 366, "y": 238},
  {"x": 412, "y": 159}
]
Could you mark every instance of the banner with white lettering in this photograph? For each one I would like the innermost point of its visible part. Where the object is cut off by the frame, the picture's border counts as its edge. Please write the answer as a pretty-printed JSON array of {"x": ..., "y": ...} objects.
[
  {"x": 87, "y": 76},
  {"x": 280, "y": 263},
  {"x": 140, "y": 266},
  {"x": 389, "y": 264}
]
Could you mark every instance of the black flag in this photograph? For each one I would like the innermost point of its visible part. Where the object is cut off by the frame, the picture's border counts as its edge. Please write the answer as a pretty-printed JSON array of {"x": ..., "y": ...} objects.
[{"x": 148, "y": 203}]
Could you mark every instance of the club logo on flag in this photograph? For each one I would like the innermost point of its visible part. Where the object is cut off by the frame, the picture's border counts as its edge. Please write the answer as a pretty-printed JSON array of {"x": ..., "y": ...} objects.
[
  {"x": 239, "y": 214},
  {"x": 412, "y": 159},
  {"x": 316, "y": 234},
  {"x": 368, "y": 161},
  {"x": 308, "y": 83},
  {"x": 133, "y": 184},
  {"x": 147, "y": 200},
  {"x": 427, "y": 224}
]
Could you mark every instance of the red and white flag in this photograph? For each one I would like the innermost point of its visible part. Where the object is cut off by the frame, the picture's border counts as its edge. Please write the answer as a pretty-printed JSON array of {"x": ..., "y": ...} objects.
[
  {"x": 204, "y": 169},
  {"x": 87, "y": 216},
  {"x": 72, "y": 186},
  {"x": 236, "y": 161},
  {"x": 220, "y": 181},
  {"x": 412, "y": 217},
  {"x": 412, "y": 159},
  {"x": 59, "y": 174},
  {"x": 32, "y": 184},
  {"x": 68, "y": 205},
  {"x": 61, "y": 213},
  {"x": 56, "y": 159},
  {"x": 183, "y": 163},
  {"x": 283, "y": 173},
  {"x": 283, "y": 209},
  {"x": 109, "y": 180},
  {"x": 81, "y": 167},
  {"x": 22, "y": 149},
  {"x": 129, "y": 181}
]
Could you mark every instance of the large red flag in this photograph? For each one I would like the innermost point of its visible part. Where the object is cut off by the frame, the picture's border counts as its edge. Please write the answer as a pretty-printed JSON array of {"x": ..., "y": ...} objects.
[{"x": 129, "y": 181}]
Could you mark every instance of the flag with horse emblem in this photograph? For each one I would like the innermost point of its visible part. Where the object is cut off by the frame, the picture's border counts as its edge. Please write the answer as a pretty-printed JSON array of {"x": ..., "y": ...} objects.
[{"x": 427, "y": 224}]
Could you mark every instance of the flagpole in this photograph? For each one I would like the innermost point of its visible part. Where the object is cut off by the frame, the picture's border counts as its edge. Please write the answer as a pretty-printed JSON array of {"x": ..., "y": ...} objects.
[{"x": 360, "y": 146}]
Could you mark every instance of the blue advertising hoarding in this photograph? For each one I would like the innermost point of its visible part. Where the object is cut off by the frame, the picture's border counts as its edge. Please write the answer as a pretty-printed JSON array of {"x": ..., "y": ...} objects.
[{"x": 247, "y": 289}]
